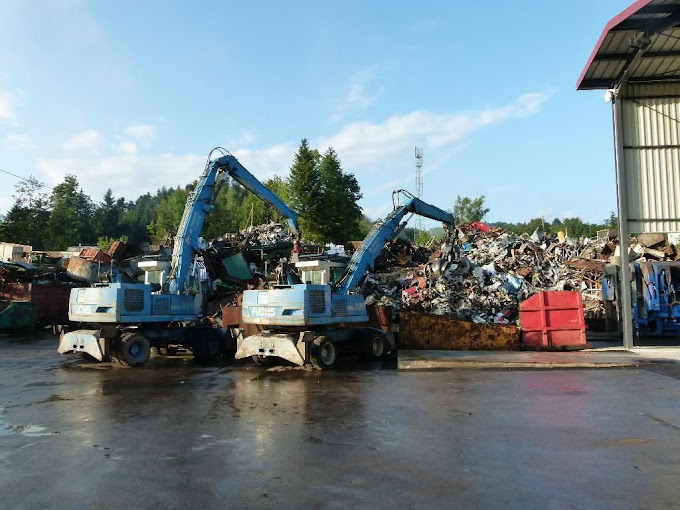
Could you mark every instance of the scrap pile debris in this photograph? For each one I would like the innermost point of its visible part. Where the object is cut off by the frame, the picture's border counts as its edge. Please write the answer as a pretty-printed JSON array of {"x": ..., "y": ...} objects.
[
  {"x": 270, "y": 235},
  {"x": 490, "y": 271},
  {"x": 482, "y": 275}
]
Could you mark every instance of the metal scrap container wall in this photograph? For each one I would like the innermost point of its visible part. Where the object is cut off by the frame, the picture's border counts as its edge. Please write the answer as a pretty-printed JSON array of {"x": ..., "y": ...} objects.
[
  {"x": 50, "y": 301},
  {"x": 553, "y": 319},
  {"x": 651, "y": 145},
  {"x": 439, "y": 332}
]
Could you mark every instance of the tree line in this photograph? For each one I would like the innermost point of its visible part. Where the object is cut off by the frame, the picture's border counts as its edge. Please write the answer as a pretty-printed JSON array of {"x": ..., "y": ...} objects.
[
  {"x": 469, "y": 210},
  {"x": 324, "y": 195}
]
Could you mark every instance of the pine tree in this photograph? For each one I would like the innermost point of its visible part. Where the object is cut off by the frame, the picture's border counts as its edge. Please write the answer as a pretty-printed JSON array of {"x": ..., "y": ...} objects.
[
  {"x": 340, "y": 193},
  {"x": 107, "y": 217},
  {"x": 71, "y": 220},
  {"x": 306, "y": 191}
]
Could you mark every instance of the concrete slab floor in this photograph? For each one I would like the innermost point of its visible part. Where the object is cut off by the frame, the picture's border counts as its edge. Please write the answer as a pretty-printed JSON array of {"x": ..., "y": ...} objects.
[
  {"x": 591, "y": 358},
  {"x": 176, "y": 434}
]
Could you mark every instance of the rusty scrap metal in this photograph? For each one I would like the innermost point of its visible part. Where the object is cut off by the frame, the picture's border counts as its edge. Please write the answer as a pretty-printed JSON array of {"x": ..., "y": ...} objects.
[
  {"x": 426, "y": 331},
  {"x": 488, "y": 274}
]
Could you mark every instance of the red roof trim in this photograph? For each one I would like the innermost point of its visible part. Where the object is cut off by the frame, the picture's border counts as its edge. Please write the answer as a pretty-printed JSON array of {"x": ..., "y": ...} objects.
[{"x": 629, "y": 11}]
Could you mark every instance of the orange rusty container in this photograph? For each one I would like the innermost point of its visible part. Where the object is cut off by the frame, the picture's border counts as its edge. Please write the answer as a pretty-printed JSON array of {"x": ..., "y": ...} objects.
[{"x": 553, "y": 320}]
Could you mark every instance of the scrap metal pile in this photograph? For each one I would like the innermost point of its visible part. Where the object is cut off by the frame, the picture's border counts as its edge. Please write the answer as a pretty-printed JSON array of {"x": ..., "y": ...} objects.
[
  {"x": 269, "y": 236},
  {"x": 486, "y": 275}
]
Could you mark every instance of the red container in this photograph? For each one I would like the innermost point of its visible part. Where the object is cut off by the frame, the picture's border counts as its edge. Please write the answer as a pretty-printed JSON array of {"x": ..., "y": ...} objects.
[
  {"x": 553, "y": 319},
  {"x": 51, "y": 301}
]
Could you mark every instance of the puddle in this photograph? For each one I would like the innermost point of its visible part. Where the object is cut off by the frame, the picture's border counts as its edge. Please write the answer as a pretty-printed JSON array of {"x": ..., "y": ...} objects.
[{"x": 23, "y": 430}]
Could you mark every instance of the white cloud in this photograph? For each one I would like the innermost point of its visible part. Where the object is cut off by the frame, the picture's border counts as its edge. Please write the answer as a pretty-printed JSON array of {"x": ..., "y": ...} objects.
[
  {"x": 380, "y": 155},
  {"x": 359, "y": 83},
  {"x": 7, "y": 104},
  {"x": 246, "y": 138},
  {"x": 128, "y": 147},
  {"x": 268, "y": 162},
  {"x": 377, "y": 210},
  {"x": 6, "y": 203},
  {"x": 366, "y": 144},
  {"x": 142, "y": 133},
  {"x": 362, "y": 92},
  {"x": 18, "y": 142},
  {"x": 131, "y": 175},
  {"x": 128, "y": 176},
  {"x": 86, "y": 141}
]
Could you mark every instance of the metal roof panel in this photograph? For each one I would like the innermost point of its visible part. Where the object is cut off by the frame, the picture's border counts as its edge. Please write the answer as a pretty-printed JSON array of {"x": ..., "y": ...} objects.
[{"x": 616, "y": 48}]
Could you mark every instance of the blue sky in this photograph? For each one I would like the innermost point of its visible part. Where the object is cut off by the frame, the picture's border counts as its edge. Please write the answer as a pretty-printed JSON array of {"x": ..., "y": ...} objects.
[{"x": 133, "y": 95}]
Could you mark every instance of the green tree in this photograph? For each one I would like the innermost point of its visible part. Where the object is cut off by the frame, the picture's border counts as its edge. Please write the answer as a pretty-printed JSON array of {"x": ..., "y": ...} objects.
[
  {"x": 468, "y": 210},
  {"x": 365, "y": 226},
  {"x": 612, "y": 221},
  {"x": 25, "y": 222},
  {"x": 138, "y": 218},
  {"x": 306, "y": 190},
  {"x": 72, "y": 212},
  {"x": 107, "y": 216},
  {"x": 169, "y": 212},
  {"x": 340, "y": 192}
]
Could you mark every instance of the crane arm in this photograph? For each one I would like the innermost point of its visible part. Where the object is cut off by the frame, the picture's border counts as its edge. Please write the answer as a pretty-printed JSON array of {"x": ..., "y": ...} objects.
[
  {"x": 199, "y": 203},
  {"x": 381, "y": 233},
  {"x": 238, "y": 172}
]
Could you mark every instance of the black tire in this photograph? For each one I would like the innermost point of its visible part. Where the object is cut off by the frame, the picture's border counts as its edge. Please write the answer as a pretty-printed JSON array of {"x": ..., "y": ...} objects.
[
  {"x": 207, "y": 346},
  {"x": 374, "y": 347},
  {"x": 133, "y": 350},
  {"x": 323, "y": 353}
]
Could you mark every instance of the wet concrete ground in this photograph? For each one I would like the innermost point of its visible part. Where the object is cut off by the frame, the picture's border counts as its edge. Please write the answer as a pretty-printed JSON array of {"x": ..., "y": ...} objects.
[{"x": 179, "y": 435}]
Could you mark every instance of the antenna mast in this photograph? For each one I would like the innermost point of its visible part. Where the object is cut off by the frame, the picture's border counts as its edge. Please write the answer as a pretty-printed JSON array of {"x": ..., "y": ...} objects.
[{"x": 419, "y": 185}]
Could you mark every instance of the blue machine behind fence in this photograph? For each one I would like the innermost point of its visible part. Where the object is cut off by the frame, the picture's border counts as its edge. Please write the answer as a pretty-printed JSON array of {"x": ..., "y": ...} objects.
[{"x": 655, "y": 294}]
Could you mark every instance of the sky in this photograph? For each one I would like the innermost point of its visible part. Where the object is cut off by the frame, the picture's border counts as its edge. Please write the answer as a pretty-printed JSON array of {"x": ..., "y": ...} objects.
[{"x": 132, "y": 96}]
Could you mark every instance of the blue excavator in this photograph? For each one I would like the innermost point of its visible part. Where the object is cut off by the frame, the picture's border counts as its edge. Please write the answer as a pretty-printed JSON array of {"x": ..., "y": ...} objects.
[
  {"x": 125, "y": 320},
  {"x": 310, "y": 322}
]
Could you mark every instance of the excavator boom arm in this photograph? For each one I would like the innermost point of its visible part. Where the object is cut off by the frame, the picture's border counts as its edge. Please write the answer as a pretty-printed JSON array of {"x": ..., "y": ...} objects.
[
  {"x": 381, "y": 233},
  {"x": 200, "y": 202}
]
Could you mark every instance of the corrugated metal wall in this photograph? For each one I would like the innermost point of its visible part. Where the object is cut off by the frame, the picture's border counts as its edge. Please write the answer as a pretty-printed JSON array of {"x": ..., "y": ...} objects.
[{"x": 651, "y": 143}]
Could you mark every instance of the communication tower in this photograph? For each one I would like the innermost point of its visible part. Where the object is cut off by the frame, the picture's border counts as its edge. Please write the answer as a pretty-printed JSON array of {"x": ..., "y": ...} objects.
[{"x": 419, "y": 185}]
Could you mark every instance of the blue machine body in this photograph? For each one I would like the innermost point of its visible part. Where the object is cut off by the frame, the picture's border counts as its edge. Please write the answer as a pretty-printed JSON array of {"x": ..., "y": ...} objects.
[
  {"x": 124, "y": 303},
  {"x": 307, "y": 306},
  {"x": 301, "y": 306}
]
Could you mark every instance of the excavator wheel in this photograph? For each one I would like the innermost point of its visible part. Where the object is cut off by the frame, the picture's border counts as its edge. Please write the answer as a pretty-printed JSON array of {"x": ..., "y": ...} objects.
[
  {"x": 134, "y": 349},
  {"x": 374, "y": 347},
  {"x": 323, "y": 353}
]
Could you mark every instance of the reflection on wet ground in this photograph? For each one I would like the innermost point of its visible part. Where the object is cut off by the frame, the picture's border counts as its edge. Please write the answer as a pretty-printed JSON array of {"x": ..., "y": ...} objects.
[{"x": 176, "y": 434}]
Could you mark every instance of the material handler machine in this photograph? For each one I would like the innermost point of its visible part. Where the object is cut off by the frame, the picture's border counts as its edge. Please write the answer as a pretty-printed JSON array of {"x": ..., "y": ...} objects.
[
  {"x": 310, "y": 322},
  {"x": 125, "y": 320}
]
